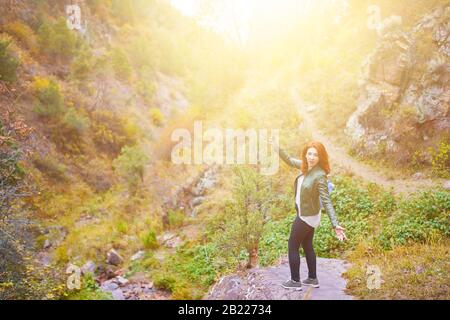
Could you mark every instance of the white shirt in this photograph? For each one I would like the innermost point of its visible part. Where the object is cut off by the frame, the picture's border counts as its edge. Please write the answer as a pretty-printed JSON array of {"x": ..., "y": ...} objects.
[{"x": 313, "y": 221}]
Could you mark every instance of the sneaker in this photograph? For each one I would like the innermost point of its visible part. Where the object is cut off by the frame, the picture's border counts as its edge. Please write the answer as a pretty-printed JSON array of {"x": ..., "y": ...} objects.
[
  {"x": 311, "y": 282},
  {"x": 291, "y": 284}
]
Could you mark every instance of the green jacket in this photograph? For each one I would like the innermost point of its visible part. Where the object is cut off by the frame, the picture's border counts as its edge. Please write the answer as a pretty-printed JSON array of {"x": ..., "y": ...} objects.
[{"x": 314, "y": 187}]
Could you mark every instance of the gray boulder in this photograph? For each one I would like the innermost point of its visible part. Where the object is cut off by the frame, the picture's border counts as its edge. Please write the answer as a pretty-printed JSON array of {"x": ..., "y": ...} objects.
[{"x": 113, "y": 258}]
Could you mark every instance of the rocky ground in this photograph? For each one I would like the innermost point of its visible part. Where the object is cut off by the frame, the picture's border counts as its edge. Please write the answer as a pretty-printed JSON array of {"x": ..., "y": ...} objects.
[
  {"x": 265, "y": 283},
  {"x": 138, "y": 287}
]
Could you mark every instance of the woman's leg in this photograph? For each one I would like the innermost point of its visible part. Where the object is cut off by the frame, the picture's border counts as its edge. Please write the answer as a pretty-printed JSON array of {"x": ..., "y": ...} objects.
[
  {"x": 310, "y": 254},
  {"x": 299, "y": 230}
]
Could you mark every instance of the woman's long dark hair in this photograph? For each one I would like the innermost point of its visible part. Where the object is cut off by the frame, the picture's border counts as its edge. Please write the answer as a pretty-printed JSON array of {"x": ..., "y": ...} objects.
[{"x": 323, "y": 156}]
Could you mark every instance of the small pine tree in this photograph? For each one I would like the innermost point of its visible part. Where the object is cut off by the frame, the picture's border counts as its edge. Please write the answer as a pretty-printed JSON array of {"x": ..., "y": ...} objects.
[{"x": 246, "y": 214}]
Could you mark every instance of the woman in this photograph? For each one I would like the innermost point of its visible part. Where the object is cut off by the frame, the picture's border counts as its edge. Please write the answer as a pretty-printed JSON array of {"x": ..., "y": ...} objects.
[{"x": 311, "y": 190}]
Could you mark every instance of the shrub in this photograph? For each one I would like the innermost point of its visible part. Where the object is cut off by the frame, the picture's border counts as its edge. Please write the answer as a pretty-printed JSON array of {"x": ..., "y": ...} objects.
[
  {"x": 8, "y": 63},
  {"x": 122, "y": 226},
  {"x": 156, "y": 116},
  {"x": 440, "y": 162},
  {"x": 175, "y": 218},
  {"x": 149, "y": 240},
  {"x": 23, "y": 33},
  {"x": 82, "y": 65},
  {"x": 130, "y": 165},
  {"x": 49, "y": 96},
  {"x": 246, "y": 214},
  {"x": 167, "y": 282},
  {"x": 120, "y": 64},
  {"x": 51, "y": 168},
  {"x": 75, "y": 122},
  {"x": 56, "y": 39},
  {"x": 110, "y": 132},
  {"x": 422, "y": 217}
]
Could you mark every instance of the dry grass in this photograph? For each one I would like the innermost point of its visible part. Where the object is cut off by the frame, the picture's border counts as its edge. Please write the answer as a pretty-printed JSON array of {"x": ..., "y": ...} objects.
[{"x": 417, "y": 271}]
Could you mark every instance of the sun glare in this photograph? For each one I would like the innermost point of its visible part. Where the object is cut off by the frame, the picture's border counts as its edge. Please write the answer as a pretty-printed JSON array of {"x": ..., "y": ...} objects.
[{"x": 242, "y": 20}]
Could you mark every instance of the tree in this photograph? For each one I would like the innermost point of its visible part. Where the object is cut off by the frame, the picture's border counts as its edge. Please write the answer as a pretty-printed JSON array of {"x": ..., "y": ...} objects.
[
  {"x": 246, "y": 214},
  {"x": 130, "y": 165}
]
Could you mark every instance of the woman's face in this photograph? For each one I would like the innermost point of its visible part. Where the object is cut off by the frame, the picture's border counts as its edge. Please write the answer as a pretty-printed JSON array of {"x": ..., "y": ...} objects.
[{"x": 312, "y": 157}]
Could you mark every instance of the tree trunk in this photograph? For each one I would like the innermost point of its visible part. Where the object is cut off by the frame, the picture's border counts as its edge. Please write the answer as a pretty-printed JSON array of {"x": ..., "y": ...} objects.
[{"x": 253, "y": 257}]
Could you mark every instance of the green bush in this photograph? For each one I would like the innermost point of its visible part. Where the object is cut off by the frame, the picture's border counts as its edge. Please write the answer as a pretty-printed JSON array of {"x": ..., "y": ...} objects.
[
  {"x": 75, "y": 122},
  {"x": 55, "y": 39},
  {"x": 149, "y": 240},
  {"x": 422, "y": 217},
  {"x": 121, "y": 64},
  {"x": 175, "y": 218},
  {"x": 130, "y": 165},
  {"x": 8, "y": 63},
  {"x": 82, "y": 65},
  {"x": 190, "y": 272},
  {"x": 165, "y": 281},
  {"x": 122, "y": 226},
  {"x": 49, "y": 96}
]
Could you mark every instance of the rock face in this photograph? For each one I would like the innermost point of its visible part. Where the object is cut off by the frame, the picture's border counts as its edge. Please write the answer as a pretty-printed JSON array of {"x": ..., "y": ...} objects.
[
  {"x": 404, "y": 101},
  {"x": 265, "y": 284}
]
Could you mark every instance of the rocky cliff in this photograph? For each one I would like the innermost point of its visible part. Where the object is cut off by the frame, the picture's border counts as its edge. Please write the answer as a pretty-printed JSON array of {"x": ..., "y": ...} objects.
[{"x": 404, "y": 101}]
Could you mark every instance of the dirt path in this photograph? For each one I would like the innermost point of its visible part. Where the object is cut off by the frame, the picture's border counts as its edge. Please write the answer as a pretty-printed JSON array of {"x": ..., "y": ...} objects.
[{"x": 340, "y": 157}]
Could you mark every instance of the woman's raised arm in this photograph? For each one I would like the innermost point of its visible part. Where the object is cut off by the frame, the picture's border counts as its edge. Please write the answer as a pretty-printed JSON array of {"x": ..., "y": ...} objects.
[{"x": 290, "y": 161}]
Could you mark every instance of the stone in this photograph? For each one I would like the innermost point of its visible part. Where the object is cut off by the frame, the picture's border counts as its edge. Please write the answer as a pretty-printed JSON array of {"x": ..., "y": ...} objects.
[
  {"x": 118, "y": 294},
  {"x": 44, "y": 258},
  {"x": 197, "y": 201},
  {"x": 47, "y": 244},
  {"x": 88, "y": 267},
  {"x": 165, "y": 237},
  {"x": 446, "y": 185},
  {"x": 109, "y": 285},
  {"x": 418, "y": 175},
  {"x": 113, "y": 258},
  {"x": 122, "y": 281},
  {"x": 138, "y": 255}
]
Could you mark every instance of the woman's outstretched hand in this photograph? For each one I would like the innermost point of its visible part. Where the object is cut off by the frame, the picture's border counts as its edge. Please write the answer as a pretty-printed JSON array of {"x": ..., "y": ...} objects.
[{"x": 340, "y": 233}]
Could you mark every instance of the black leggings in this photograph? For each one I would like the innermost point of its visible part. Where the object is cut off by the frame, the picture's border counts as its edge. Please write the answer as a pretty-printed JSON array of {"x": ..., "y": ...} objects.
[{"x": 301, "y": 234}]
